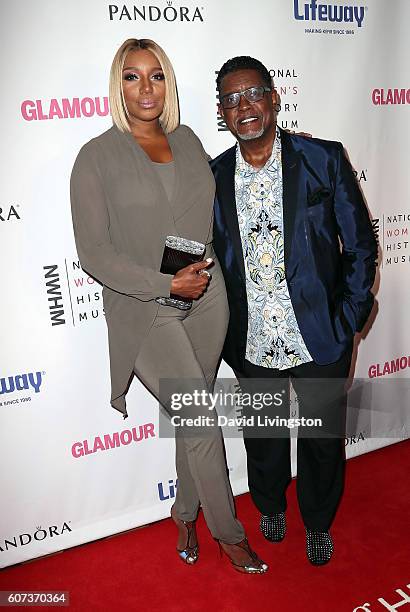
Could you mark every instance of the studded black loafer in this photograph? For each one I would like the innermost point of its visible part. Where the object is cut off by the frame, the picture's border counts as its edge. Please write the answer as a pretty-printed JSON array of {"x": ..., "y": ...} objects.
[
  {"x": 273, "y": 527},
  {"x": 319, "y": 546}
]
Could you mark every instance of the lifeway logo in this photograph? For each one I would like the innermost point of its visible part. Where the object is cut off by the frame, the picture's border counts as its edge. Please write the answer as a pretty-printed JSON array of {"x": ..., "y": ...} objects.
[
  {"x": 167, "y": 491},
  {"x": 20, "y": 382},
  {"x": 149, "y": 12},
  {"x": 334, "y": 13}
]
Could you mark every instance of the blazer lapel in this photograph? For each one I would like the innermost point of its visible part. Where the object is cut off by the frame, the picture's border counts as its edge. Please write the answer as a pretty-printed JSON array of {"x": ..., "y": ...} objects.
[
  {"x": 290, "y": 177},
  {"x": 226, "y": 195},
  {"x": 225, "y": 181}
]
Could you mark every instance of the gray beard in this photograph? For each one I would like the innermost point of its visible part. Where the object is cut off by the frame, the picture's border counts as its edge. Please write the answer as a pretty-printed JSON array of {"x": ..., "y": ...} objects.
[{"x": 252, "y": 135}]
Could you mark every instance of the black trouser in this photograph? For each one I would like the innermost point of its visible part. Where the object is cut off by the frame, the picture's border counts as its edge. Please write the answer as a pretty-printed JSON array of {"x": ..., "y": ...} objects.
[{"x": 320, "y": 460}]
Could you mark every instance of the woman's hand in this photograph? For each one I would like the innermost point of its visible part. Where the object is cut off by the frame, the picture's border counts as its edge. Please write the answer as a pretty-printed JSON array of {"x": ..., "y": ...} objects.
[
  {"x": 304, "y": 134},
  {"x": 191, "y": 281}
]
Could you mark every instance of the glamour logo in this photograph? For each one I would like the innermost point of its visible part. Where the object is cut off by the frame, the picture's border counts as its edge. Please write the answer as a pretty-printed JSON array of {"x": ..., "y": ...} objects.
[
  {"x": 170, "y": 490},
  {"x": 328, "y": 12},
  {"x": 55, "y": 299},
  {"x": 155, "y": 13},
  {"x": 8, "y": 213},
  {"x": 390, "y": 96},
  {"x": 39, "y": 535},
  {"x": 21, "y": 382},
  {"x": 66, "y": 108},
  {"x": 389, "y": 367},
  {"x": 110, "y": 441}
]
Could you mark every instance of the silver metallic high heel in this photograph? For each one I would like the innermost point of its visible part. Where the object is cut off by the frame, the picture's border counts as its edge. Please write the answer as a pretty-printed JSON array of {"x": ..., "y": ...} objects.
[
  {"x": 243, "y": 558},
  {"x": 190, "y": 553}
]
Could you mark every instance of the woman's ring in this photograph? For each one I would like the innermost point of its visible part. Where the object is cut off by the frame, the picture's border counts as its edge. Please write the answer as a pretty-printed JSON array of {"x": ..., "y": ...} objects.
[{"x": 204, "y": 273}]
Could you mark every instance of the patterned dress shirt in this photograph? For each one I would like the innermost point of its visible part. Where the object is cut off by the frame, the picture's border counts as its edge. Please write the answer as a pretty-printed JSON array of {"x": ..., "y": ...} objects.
[{"x": 274, "y": 339}]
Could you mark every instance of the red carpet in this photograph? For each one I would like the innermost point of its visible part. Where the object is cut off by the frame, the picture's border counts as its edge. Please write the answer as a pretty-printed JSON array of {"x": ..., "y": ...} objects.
[{"x": 139, "y": 570}]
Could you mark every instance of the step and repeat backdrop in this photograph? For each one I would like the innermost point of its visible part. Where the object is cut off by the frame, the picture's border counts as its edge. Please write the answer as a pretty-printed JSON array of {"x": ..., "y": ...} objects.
[{"x": 71, "y": 469}]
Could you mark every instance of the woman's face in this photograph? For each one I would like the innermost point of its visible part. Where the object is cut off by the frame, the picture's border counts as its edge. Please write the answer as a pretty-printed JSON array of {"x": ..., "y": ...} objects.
[{"x": 143, "y": 84}]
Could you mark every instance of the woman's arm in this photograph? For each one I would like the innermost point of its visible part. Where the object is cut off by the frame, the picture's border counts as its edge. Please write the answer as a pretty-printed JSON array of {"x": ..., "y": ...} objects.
[{"x": 95, "y": 250}]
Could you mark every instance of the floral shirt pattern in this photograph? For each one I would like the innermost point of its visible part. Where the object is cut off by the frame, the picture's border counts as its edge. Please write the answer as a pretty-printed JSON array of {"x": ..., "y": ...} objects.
[{"x": 274, "y": 339}]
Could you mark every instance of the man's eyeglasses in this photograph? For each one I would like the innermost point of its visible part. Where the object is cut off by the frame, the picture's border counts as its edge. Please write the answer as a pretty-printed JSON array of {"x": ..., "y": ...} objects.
[{"x": 253, "y": 94}]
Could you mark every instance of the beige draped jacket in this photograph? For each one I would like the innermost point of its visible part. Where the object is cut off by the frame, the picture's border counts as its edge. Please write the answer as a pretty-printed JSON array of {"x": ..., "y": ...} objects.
[{"x": 121, "y": 217}]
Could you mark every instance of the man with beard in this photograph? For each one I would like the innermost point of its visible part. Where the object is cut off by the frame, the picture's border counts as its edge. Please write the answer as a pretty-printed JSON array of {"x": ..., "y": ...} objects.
[{"x": 296, "y": 246}]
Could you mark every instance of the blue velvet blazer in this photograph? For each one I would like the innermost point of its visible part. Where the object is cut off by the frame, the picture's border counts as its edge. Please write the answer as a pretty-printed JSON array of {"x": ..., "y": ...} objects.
[{"x": 330, "y": 248}]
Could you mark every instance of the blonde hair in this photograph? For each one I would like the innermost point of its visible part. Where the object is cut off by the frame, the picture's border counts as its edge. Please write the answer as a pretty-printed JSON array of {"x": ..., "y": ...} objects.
[{"x": 169, "y": 118}]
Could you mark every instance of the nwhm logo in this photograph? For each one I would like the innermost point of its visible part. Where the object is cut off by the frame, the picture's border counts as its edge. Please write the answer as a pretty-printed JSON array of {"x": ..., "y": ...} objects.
[{"x": 54, "y": 295}]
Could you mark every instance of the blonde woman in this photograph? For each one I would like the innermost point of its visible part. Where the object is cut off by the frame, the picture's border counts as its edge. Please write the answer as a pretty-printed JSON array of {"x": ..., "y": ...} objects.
[{"x": 142, "y": 180}]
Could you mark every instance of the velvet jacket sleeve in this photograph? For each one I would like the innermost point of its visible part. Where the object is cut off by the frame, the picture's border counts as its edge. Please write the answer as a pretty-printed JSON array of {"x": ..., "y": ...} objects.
[{"x": 359, "y": 247}]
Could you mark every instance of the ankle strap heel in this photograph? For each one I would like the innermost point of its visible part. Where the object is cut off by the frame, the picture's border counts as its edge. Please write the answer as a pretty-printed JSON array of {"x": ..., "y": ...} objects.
[
  {"x": 190, "y": 553},
  {"x": 243, "y": 558}
]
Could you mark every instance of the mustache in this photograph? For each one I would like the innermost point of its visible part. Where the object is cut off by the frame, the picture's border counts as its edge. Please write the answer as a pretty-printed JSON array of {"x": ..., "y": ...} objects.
[{"x": 238, "y": 120}]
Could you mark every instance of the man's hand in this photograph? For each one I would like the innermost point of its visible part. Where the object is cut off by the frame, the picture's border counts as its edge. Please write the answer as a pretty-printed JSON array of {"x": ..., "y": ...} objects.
[{"x": 191, "y": 281}]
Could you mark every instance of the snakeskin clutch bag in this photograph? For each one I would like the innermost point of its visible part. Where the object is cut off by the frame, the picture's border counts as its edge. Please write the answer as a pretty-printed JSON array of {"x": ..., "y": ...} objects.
[{"x": 179, "y": 253}]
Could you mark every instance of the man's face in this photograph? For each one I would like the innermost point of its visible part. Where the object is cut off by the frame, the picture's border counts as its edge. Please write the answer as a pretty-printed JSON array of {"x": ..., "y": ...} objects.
[{"x": 248, "y": 120}]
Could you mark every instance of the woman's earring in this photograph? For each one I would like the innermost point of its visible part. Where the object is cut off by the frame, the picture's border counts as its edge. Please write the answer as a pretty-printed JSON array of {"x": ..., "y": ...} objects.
[{"x": 277, "y": 107}]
